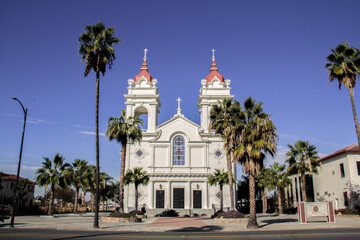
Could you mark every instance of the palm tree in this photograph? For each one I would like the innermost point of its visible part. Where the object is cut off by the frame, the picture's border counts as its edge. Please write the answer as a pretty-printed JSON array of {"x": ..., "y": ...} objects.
[
  {"x": 96, "y": 46},
  {"x": 53, "y": 174},
  {"x": 344, "y": 65},
  {"x": 256, "y": 136},
  {"x": 90, "y": 183},
  {"x": 124, "y": 129},
  {"x": 278, "y": 179},
  {"x": 302, "y": 159},
  {"x": 263, "y": 182},
  {"x": 137, "y": 177},
  {"x": 221, "y": 178},
  {"x": 78, "y": 171},
  {"x": 106, "y": 190},
  {"x": 223, "y": 119}
]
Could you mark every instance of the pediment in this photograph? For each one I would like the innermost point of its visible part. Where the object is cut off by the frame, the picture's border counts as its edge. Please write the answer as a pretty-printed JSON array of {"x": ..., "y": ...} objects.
[{"x": 179, "y": 125}]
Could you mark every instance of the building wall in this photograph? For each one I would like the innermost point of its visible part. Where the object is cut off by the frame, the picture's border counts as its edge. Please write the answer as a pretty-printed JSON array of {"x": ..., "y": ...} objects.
[
  {"x": 202, "y": 157},
  {"x": 329, "y": 185},
  {"x": 6, "y": 194}
]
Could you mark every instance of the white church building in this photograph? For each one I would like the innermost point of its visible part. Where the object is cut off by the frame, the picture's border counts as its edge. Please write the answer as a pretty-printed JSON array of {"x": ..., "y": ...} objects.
[{"x": 178, "y": 155}]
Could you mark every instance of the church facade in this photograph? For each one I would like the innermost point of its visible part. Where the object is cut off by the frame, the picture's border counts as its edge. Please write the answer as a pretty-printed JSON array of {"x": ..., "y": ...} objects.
[{"x": 178, "y": 155}]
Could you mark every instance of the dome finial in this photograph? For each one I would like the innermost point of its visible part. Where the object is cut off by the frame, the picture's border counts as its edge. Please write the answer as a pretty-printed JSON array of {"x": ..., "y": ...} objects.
[
  {"x": 213, "y": 56},
  {"x": 145, "y": 50}
]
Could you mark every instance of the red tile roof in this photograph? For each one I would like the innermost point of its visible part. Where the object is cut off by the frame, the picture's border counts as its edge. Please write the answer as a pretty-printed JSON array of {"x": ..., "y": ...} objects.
[
  {"x": 12, "y": 177},
  {"x": 214, "y": 73},
  {"x": 350, "y": 149},
  {"x": 144, "y": 73}
]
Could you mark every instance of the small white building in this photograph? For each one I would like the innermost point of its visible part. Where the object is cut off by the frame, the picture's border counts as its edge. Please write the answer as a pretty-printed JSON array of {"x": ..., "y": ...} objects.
[
  {"x": 336, "y": 172},
  {"x": 178, "y": 155},
  {"x": 6, "y": 190}
]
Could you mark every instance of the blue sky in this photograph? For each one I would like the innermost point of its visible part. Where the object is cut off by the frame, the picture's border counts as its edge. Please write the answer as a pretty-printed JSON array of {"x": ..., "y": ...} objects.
[{"x": 273, "y": 51}]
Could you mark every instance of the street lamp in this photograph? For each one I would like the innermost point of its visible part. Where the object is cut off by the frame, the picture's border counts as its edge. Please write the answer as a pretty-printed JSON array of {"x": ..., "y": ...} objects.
[{"x": 18, "y": 170}]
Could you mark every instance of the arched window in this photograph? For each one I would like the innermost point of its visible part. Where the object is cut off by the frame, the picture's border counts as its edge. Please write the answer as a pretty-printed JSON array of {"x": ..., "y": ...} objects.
[{"x": 178, "y": 151}]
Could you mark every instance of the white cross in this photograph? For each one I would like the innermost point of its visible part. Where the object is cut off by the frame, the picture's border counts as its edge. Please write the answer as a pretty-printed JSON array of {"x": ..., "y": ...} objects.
[
  {"x": 213, "y": 56},
  {"x": 145, "y": 50},
  {"x": 179, "y": 100}
]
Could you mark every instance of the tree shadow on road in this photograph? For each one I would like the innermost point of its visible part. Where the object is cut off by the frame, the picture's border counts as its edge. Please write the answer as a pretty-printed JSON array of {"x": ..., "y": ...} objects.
[
  {"x": 208, "y": 228},
  {"x": 275, "y": 221},
  {"x": 86, "y": 236}
]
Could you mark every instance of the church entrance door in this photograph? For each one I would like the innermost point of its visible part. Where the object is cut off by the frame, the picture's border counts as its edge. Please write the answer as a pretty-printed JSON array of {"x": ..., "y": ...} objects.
[
  {"x": 178, "y": 197},
  {"x": 197, "y": 199},
  {"x": 160, "y": 197}
]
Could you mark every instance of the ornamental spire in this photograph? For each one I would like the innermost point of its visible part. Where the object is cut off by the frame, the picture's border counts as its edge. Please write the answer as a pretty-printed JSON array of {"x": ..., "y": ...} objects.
[
  {"x": 213, "y": 65},
  {"x": 144, "y": 69},
  {"x": 214, "y": 70}
]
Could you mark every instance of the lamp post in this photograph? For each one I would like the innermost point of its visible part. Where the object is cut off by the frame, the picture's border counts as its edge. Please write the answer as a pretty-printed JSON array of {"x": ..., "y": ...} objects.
[{"x": 15, "y": 203}]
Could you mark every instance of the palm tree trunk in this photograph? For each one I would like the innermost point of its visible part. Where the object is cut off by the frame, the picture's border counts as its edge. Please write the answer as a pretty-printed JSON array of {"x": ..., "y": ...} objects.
[
  {"x": 279, "y": 200},
  {"x": 351, "y": 92},
  {"x": 221, "y": 199},
  {"x": 303, "y": 184},
  {"x": 122, "y": 174},
  {"x": 97, "y": 172},
  {"x": 51, "y": 201},
  {"x": 92, "y": 202},
  {"x": 264, "y": 199},
  {"x": 231, "y": 187},
  {"x": 252, "y": 223},
  {"x": 136, "y": 197},
  {"x": 76, "y": 200}
]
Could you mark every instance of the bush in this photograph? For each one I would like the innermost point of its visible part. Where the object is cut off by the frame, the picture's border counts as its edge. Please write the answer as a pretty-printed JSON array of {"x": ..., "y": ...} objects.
[
  {"x": 290, "y": 210},
  {"x": 219, "y": 213},
  {"x": 348, "y": 211},
  {"x": 121, "y": 215},
  {"x": 135, "y": 212},
  {"x": 228, "y": 214},
  {"x": 233, "y": 214},
  {"x": 33, "y": 210},
  {"x": 168, "y": 213}
]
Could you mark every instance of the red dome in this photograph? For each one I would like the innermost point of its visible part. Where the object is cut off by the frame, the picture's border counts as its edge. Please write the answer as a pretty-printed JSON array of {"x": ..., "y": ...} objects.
[
  {"x": 214, "y": 73},
  {"x": 144, "y": 72}
]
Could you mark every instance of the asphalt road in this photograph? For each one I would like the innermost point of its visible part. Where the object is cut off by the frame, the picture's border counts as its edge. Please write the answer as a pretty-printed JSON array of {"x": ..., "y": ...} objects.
[{"x": 48, "y": 234}]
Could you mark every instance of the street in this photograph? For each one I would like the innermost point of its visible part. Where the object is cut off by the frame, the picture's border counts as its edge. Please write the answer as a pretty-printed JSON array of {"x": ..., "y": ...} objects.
[{"x": 50, "y": 234}]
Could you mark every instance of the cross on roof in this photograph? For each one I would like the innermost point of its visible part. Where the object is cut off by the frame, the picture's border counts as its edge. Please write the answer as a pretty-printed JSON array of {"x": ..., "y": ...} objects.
[
  {"x": 179, "y": 100},
  {"x": 179, "y": 109},
  {"x": 213, "y": 56},
  {"x": 145, "y": 50}
]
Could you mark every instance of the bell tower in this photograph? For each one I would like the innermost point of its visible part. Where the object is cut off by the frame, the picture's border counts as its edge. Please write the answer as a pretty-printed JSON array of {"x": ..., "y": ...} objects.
[
  {"x": 214, "y": 89},
  {"x": 143, "y": 97}
]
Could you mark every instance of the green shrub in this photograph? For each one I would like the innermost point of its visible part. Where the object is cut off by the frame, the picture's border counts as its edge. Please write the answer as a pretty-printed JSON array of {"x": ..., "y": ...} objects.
[
  {"x": 348, "y": 211},
  {"x": 121, "y": 215},
  {"x": 168, "y": 213},
  {"x": 233, "y": 214},
  {"x": 33, "y": 210},
  {"x": 290, "y": 210},
  {"x": 218, "y": 214},
  {"x": 135, "y": 212}
]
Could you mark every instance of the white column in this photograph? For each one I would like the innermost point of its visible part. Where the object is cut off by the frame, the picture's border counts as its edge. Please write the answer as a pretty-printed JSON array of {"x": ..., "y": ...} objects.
[
  {"x": 188, "y": 197},
  {"x": 168, "y": 204},
  {"x": 151, "y": 195},
  {"x": 206, "y": 196}
]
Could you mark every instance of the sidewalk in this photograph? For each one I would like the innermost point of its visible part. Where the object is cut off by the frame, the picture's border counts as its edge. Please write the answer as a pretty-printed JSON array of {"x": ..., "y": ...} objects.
[{"x": 164, "y": 224}]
